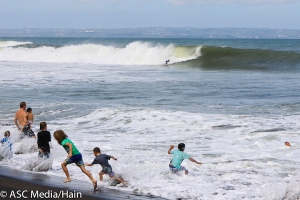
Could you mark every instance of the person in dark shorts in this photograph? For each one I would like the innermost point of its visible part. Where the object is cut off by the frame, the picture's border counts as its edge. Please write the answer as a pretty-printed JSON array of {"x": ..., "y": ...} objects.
[
  {"x": 102, "y": 159},
  {"x": 74, "y": 156},
  {"x": 43, "y": 139},
  {"x": 178, "y": 157},
  {"x": 28, "y": 132},
  {"x": 21, "y": 121}
]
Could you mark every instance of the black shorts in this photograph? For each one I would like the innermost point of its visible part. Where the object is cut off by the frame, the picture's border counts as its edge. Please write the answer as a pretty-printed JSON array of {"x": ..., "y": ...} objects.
[{"x": 27, "y": 131}]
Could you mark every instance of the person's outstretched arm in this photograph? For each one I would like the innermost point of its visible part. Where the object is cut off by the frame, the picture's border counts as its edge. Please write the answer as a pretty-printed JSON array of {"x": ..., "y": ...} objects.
[
  {"x": 113, "y": 157},
  {"x": 192, "y": 159},
  {"x": 88, "y": 164},
  {"x": 171, "y": 147}
]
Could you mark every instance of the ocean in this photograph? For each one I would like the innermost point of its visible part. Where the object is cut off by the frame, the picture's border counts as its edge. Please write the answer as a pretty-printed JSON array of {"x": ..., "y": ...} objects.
[{"x": 233, "y": 102}]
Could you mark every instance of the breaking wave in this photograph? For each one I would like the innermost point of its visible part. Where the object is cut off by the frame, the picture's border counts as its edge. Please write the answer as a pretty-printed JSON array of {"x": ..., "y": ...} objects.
[
  {"x": 147, "y": 53},
  {"x": 135, "y": 53}
]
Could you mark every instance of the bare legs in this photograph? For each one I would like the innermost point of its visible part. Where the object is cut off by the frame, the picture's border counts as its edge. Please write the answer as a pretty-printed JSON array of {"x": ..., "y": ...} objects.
[
  {"x": 88, "y": 173},
  {"x": 102, "y": 173},
  {"x": 119, "y": 179},
  {"x": 65, "y": 169}
]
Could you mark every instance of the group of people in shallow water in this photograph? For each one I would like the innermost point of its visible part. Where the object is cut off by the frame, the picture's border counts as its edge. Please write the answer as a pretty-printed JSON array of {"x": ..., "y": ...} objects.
[{"x": 23, "y": 121}]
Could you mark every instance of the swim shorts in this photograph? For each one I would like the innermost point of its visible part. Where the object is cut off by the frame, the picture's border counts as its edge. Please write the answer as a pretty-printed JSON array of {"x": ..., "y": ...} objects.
[
  {"x": 77, "y": 159},
  {"x": 27, "y": 131},
  {"x": 174, "y": 169},
  {"x": 108, "y": 171}
]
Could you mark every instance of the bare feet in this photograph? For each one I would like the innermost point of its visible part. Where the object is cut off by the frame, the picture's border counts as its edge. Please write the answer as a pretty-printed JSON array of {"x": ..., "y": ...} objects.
[
  {"x": 95, "y": 185},
  {"x": 67, "y": 180}
]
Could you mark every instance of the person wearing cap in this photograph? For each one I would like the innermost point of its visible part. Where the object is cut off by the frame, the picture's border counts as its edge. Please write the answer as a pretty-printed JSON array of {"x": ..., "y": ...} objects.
[{"x": 178, "y": 157}]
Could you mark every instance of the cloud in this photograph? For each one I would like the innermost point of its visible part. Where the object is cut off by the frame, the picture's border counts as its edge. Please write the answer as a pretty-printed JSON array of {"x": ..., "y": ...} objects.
[{"x": 181, "y": 2}]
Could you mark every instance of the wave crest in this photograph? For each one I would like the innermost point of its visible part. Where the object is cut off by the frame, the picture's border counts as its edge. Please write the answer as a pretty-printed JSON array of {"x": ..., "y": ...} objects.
[{"x": 135, "y": 53}]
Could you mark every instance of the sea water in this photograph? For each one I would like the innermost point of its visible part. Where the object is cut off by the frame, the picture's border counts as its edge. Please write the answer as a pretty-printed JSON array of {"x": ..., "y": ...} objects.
[{"x": 232, "y": 102}]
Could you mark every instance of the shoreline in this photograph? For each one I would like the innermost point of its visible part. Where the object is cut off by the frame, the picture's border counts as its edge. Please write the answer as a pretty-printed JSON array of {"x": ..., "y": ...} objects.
[{"x": 13, "y": 180}]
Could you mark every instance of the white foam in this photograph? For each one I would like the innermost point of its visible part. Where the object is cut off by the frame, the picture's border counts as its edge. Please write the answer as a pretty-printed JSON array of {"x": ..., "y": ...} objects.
[
  {"x": 5, "y": 152},
  {"x": 12, "y": 43},
  {"x": 135, "y": 53},
  {"x": 37, "y": 164},
  {"x": 242, "y": 158},
  {"x": 26, "y": 145}
]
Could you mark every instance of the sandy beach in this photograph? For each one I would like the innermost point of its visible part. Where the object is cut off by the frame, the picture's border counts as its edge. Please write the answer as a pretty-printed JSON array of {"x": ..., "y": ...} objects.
[{"x": 14, "y": 183}]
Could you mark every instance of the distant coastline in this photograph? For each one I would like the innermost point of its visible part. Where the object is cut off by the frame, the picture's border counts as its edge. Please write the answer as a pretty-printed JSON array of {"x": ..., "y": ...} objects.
[{"x": 158, "y": 32}]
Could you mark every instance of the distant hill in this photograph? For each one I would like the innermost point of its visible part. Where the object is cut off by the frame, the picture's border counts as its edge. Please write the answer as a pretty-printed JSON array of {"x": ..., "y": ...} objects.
[{"x": 159, "y": 32}]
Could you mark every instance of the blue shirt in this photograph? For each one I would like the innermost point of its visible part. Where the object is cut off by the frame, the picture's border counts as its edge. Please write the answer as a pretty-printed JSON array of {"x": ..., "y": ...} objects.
[
  {"x": 6, "y": 140},
  {"x": 178, "y": 157}
]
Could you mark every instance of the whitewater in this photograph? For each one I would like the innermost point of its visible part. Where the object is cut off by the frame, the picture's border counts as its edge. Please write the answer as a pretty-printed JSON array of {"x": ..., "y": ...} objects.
[
  {"x": 135, "y": 53},
  {"x": 234, "y": 121}
]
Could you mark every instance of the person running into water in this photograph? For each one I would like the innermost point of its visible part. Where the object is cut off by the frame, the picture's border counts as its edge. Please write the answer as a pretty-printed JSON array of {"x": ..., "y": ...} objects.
[
  {"x": 178, "y": 157},
  {"x": 6, "y": 140},
  {"x": 74, "y": 156},
  {"x": 7, "y": 153},
  {"x": 43, "y": 139},
  {"x": 102, "y": 159},
  {"x": 30, "y": 115},
  {"x": 21, "y": 121}
]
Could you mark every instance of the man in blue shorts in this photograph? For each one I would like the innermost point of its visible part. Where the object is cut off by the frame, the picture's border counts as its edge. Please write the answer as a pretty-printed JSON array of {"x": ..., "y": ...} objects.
[{"x": 178, "y": 157}]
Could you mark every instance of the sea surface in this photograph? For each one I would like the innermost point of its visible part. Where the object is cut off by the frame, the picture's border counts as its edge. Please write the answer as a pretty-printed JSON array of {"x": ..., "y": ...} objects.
[{"x": 232, "y": 102}]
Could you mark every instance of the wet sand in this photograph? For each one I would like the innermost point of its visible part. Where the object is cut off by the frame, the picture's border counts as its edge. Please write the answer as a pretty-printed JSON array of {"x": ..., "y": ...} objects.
[{"x": 29, "y": 183}]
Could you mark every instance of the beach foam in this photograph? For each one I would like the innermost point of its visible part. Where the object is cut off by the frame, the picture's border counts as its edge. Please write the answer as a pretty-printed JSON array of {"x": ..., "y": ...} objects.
[{"x": 237, "y": 162}]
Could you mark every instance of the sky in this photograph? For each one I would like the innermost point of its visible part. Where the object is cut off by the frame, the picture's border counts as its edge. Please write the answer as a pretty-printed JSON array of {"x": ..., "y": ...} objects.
[{"x": 275, "y": 14}]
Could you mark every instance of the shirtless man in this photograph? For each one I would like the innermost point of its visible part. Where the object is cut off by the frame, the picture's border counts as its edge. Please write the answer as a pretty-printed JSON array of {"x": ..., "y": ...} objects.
[{"x": 21, "y": 121}]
